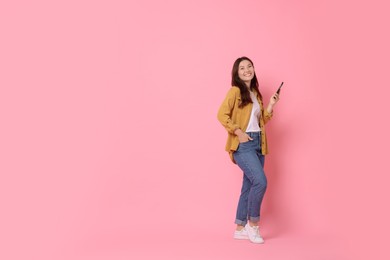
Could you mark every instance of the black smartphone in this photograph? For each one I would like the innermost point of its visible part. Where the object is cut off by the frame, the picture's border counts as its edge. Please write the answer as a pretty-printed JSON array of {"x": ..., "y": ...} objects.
[{"x": 278, "y": 91}]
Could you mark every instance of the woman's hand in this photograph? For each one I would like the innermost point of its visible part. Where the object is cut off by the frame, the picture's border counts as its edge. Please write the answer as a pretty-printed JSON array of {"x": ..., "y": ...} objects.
[
  {"x": 274, "y": 99},
  {"x": 242, "y": 137}
]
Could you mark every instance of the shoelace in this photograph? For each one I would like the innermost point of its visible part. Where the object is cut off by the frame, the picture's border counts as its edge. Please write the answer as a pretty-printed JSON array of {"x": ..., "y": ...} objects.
[{"x": 256, "y": 230}]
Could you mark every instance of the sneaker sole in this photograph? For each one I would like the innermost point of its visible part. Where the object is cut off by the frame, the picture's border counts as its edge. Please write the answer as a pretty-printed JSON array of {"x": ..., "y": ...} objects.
[
  {"x": 241, "y": 237},
  {"x": 257, "y": 242}
]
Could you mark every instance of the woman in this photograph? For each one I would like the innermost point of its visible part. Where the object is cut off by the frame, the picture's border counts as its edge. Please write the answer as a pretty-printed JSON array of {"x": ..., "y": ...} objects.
[{"x": 243, "y": 116}]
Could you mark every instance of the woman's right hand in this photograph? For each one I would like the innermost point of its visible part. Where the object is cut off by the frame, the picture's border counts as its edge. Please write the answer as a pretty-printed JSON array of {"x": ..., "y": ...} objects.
[{"x": 242, "y": 136}]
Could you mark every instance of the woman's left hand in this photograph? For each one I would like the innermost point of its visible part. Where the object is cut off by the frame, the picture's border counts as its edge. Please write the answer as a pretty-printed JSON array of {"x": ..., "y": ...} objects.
[{"x": 274, "y": 99}]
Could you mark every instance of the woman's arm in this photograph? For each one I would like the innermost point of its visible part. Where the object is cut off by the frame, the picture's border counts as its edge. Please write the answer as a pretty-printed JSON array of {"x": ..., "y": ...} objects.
[
  {"x": 274, "y": 99},
  {"x": 225, "y": 111},
  {"x": 268, "y": 113}
]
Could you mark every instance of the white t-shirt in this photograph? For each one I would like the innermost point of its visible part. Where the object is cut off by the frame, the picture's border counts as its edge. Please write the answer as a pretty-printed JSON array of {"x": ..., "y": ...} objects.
[{"x": 253, "y": 125}]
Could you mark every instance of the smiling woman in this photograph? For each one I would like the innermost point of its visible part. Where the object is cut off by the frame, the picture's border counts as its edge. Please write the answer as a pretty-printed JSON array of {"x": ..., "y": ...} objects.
[{"x": 243, "y": 116}]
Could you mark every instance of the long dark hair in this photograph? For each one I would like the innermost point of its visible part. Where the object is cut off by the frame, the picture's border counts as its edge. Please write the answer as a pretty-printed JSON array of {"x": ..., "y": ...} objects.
[{"x": 236, "y": 81}]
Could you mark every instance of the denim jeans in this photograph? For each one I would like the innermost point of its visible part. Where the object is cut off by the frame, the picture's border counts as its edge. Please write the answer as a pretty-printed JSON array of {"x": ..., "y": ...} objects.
[{"x": 249, "y": 158}]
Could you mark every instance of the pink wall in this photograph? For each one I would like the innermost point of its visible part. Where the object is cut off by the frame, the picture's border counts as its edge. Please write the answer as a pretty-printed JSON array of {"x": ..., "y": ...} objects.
[{"x": 110, "y": 147}]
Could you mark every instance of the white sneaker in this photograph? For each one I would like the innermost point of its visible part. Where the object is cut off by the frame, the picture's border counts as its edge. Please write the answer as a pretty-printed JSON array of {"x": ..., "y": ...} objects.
[
  {"x": 253, "y": 234},
  {"x": 242, "y": 234}
]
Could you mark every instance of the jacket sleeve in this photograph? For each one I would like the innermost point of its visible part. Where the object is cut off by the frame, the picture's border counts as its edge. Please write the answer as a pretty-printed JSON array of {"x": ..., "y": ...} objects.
[
  {"x": 267, "y": 116},
  {"x": 225, "y": 111}
]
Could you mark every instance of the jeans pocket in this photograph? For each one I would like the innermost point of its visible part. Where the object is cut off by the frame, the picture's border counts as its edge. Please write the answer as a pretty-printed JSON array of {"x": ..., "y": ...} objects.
[{"x": 242, "y": 145}]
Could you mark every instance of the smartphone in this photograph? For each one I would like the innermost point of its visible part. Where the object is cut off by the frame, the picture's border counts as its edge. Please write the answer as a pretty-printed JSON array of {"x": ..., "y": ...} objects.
[{"x": 278, "y": 91}]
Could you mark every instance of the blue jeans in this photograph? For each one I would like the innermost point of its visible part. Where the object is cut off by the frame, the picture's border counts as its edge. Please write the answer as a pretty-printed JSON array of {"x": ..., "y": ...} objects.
[{"x": 249, "y": 158}]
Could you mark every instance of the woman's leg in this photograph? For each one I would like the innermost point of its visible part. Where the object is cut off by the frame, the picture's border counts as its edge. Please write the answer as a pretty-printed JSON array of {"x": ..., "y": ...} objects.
[
  {"x": 247, "y": 159},
  {"x": 242, "y": 207}
]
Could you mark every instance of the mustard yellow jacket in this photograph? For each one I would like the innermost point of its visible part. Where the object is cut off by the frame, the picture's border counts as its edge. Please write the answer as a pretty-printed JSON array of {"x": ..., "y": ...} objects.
[{"x": 232, "y": 117}]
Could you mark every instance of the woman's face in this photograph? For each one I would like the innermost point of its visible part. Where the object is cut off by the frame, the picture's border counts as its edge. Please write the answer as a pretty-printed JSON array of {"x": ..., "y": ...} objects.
[{"x": 246, "y": 71}]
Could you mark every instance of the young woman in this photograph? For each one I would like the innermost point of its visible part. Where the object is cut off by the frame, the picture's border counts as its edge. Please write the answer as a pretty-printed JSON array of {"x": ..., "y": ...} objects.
[{"x": 243, "y": 115}]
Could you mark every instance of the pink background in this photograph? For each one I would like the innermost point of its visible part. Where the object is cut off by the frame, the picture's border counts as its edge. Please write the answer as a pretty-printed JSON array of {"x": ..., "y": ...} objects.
[{"x": 110, "y": 147}]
